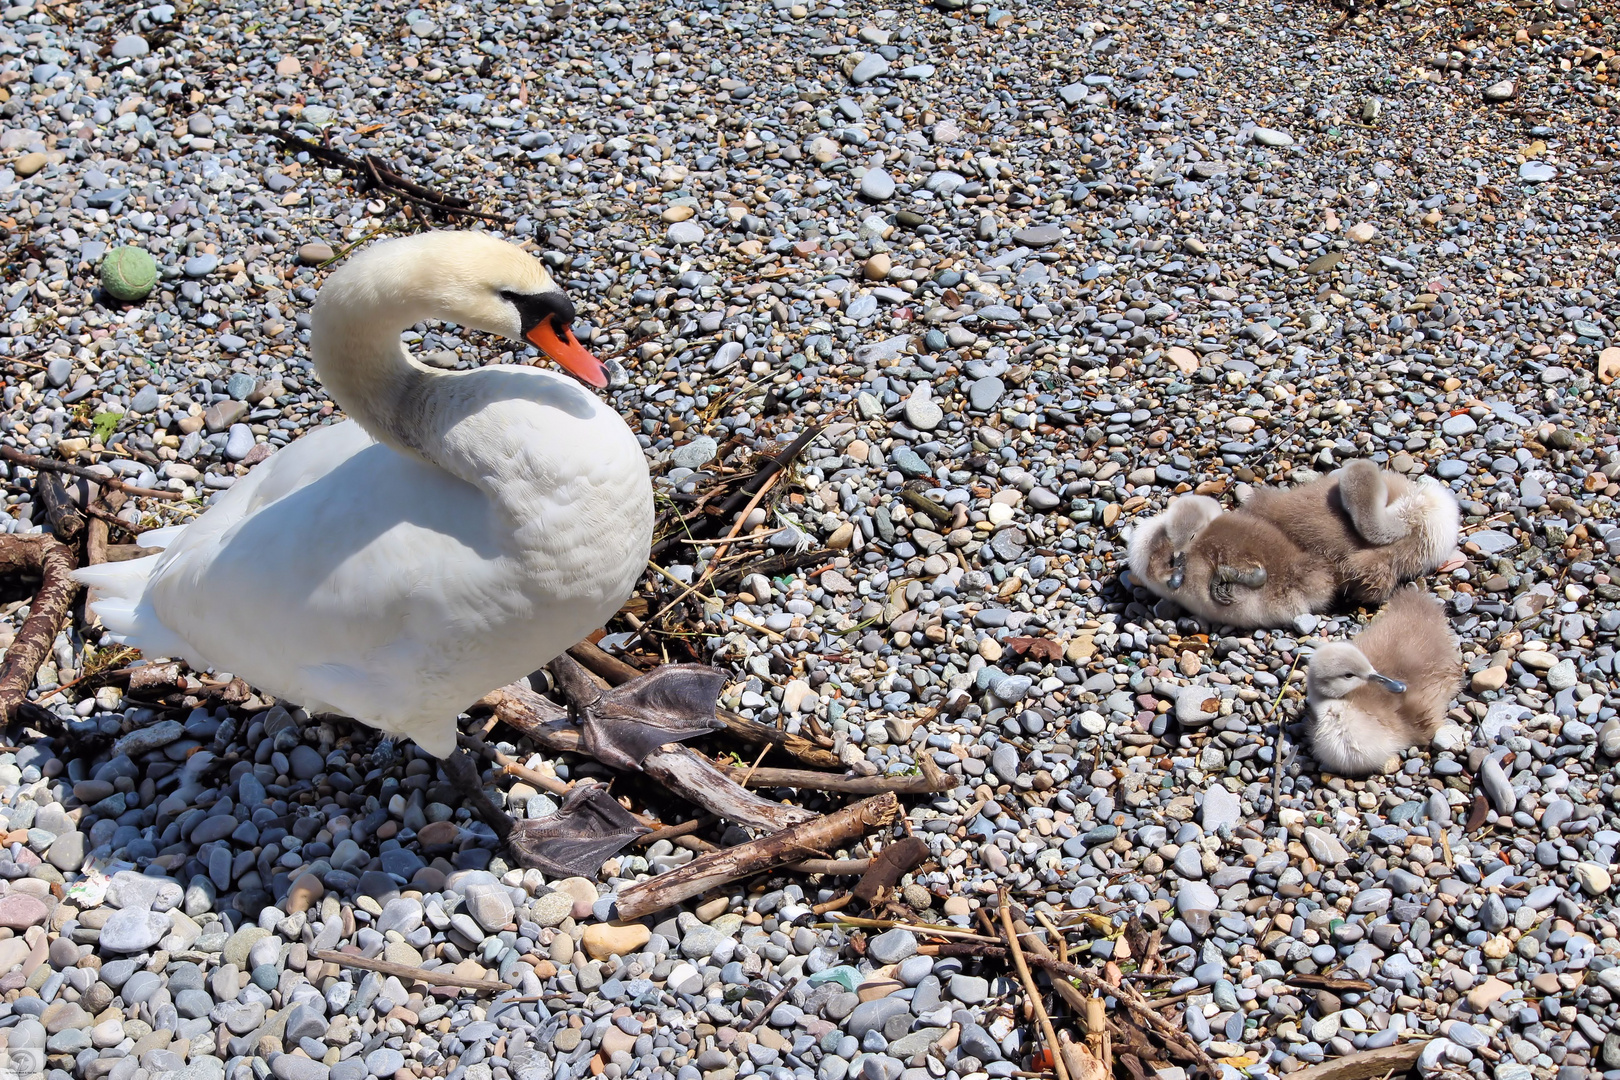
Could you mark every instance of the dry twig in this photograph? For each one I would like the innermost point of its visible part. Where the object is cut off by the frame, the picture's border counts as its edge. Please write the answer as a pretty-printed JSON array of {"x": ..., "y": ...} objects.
[
  {"x": 406, "y": 971},
  {"x": 1004, "y": 909}
]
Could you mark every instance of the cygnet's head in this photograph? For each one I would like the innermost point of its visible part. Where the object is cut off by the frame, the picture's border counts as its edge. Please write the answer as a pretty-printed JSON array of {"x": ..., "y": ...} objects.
[
  {"x": 1338, "y": 668},
  {"x": 472, "y": 279},
  {"x": 1157, "y": 553}
]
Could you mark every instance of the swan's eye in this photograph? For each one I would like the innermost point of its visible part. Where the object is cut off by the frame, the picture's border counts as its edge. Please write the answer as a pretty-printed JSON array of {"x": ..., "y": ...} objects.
[{"x": 551, "y": 308}]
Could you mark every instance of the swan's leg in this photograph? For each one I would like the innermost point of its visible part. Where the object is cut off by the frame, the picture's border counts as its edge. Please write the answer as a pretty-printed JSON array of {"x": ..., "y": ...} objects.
[
  {"x": 1366, "y": 500},
  {"x": 621, "y": 726},
  {"x": 462, "y": 770},
  {"x": 385, "y": 755}
]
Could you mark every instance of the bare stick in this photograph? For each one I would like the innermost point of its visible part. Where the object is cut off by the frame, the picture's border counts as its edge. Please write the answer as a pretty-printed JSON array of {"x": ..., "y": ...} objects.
[
  {"x": 406, "y": 971},
  {"x": 1277, "y": 763},
  {"x": 933, "y": 779},
  {"x": 32, "y": 461},
  {"x": 616, "y": 672},
  {"x": 1034, "y": 946},
  {"x": 685, "y": 772},
  {"x": 721, "y": 867},
  {"x": 54, "y": 563},
  {"x": 781, "y": 995},
  {"x": 1004, "y": 909}
]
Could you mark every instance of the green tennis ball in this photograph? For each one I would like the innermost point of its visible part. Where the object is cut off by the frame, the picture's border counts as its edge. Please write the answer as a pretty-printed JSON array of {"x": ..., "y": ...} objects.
[{"x": 129, "y": 274}]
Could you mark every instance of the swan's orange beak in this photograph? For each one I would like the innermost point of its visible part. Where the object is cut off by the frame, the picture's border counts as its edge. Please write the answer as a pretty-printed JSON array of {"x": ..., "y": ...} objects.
[{"x": 566, "y": 350}]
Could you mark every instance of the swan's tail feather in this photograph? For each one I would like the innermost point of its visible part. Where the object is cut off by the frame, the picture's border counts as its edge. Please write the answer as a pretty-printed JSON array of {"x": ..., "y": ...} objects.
[
  {"x": 1431, "y": 513},
  {"x": 159, "y": 538},
  {"x": 118, "y": 599}
]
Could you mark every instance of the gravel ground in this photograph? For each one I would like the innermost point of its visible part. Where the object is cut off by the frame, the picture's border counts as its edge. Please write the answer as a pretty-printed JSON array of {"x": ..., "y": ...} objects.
[{"x": 1054, "y": 264}]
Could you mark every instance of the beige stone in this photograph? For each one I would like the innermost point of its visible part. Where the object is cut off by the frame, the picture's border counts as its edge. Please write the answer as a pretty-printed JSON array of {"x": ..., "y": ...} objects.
[
  {"x": 878, "y": 267},
  {"x": 1593, "y": 878},
  {"x": 1362, "y": 232},
  {"x": 1185, "y": 359},
  {"x": 602, "y": 940},
  {"x": 1491, "y": 678},
  {"x": 307, "y": 890},
  {"x": 1486, "y": 994},
  {"x": 29, "y": 164},
  {"x": 673, "y": 214},
  {"x": 1608, "y": 365}
]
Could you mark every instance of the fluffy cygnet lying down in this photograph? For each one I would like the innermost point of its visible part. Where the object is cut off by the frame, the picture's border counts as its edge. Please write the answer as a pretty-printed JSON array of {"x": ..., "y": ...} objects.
[
  {"x": 1385, "y": 691},
  {"x": 1354, "y": 536}
]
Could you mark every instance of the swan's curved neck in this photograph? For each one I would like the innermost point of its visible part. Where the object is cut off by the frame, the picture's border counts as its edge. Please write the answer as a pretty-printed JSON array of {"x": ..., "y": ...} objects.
[
  {"x": 355, "y": 345},
  {"x": 365, "y": 367}
]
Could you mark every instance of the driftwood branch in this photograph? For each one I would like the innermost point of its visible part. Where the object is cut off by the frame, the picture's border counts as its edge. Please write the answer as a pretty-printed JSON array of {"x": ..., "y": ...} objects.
[
  {"x": 55, "y": 564},
  {"x": 616, "y": 672},
  {"x": 722, "y": 867},
  {"x": 42, "y": 464},
  {"x": 684, "y": 772},
  {"x": 1397, "y": 1059},
  {"x": 406, "y": 971}
]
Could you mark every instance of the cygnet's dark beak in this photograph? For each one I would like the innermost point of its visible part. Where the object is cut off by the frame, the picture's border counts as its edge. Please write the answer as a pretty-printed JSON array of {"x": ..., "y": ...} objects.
[
  {"x": 1178, "y": 570},
  {"x": 1394, "y": 686}
]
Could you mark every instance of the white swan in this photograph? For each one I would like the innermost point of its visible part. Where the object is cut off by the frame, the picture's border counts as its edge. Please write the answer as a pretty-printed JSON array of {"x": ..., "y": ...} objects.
[{"x": 460, "y": 530}]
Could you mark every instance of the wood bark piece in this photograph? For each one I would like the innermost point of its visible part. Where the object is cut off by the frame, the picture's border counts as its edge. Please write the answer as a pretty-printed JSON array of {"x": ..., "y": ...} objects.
[
  {"x": 54, "y": 563},
  {"x": 610, "y": 668},
  {"x": 890, "y": 865},
  {"x": 815, "y": 837},
  {"x": 406, "y": 971},
  {"x": 1397, "y": 1059},
  {"x": 684, "y": 772},
  {"x": 66, "y": 521}
]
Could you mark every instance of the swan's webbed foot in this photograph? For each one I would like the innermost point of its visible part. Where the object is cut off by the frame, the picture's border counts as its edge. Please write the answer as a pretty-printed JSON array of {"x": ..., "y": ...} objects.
[
  {"x": 587, "y": 830},
  {"x": 462, "y": 770},
  {"x": 1228, "y": 578},
  {"x": 385, "y": 755},
  {"x": 621, "y": 726}
]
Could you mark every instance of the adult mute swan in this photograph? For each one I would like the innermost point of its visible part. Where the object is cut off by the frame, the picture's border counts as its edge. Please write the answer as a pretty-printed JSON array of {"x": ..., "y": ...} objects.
[{"x": 458, "y": 531}]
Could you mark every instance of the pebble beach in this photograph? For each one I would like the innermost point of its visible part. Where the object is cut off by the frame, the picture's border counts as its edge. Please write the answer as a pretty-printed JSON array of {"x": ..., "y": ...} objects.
[{"x": 1029, "y": 272}]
